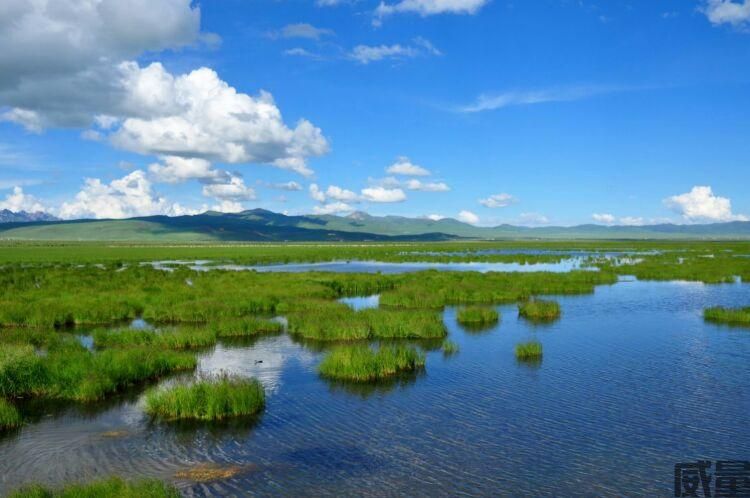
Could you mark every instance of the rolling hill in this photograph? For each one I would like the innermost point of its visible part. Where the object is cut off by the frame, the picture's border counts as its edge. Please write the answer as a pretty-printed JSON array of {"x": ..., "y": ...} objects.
[{"x": 262, "y": 225}]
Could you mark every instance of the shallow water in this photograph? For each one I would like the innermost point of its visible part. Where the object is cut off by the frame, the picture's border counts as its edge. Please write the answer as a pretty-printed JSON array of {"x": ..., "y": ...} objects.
[
  {"x": 361, "y": 303},
  {"x": 632, "y": 381}
]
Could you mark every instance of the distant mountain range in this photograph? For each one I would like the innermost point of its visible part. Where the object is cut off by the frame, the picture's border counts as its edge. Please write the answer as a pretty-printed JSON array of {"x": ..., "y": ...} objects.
[
  {"x": 262, "y": 225},
  {"x": 7, "y": 216}
]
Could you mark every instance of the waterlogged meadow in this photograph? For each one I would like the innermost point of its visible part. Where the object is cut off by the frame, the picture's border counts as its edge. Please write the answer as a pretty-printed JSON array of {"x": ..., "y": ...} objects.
[{"x": 107, "y": 351}]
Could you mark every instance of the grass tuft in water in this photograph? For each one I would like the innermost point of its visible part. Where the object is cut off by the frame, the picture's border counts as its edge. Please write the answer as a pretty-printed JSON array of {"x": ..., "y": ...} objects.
[
  {"x": 211, "y": 399},
  {"x": 364, "y": 364},
  {"x": 449, "y": 348},
  {"x": 477, "y": 315},
  {"x": 732, "y": 316},
  {"x": 9, "y": 416},
  {"x": 113, "y": 487},
  {"x": 539, "y": 310},
  {"x": 531, "y": 350}
]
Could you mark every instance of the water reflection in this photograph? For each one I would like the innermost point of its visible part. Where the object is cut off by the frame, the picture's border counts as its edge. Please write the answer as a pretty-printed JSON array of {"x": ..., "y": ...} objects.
[{"x": 361, "y": 303}]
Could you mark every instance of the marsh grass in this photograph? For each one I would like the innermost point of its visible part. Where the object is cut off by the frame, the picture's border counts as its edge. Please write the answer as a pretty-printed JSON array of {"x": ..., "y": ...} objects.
[
  {"x": 179, "y": 338},
  {"x": 207, "y": 400},
  {"x": 9, "y": 416},
  {"x": 528, "y": 351},
  {"x": 539, "y": 310},
  {"x": 245, "y": 327},
  {"x": 731, "y": 316},
  {"x": 113, "y": 487},
  {"x": 474, "y": 316},
  {"x": 449, "y": 348},
  {"x": 361, "y": 363}
]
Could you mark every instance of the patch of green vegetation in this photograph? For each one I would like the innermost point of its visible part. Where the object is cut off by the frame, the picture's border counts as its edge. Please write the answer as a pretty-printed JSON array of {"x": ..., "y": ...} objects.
[
  {"x": 528, "y": 351},
  {"x": 539, "y": 310},
  {"x": 246, "y": 326},
  {"x": 449, "y": 347},
  {"x": 477, "y": 316},
  {"x": 9, "y": 416},
  {"x": 732, "y": 316},
  {"x": 213, "y": 399},
  {"x": 181, "y": 338},
  {"x": 361, "y": 363},
  {"x": 113, "y": 487}
]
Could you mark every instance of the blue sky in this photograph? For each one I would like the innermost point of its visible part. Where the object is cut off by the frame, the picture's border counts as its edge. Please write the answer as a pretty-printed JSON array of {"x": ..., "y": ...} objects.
[{"x": 539, "y": 112}]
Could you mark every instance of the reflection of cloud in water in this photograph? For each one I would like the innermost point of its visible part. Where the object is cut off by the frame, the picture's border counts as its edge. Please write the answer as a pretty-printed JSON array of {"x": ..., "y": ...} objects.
[{"x": 264, "y": 360}]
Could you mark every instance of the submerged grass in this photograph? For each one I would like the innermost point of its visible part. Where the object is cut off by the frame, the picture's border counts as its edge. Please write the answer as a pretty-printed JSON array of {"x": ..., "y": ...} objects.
[
  {"x": 113, "y": 487},
  {"x": 732, "y": 316},
  {"x": 9, "y": 416},
  {"x": 364, "y": 364},
  {"x": 449, "y": 347},
  {"x": 207, "y": 400},
  {"x": 528, "y": 351},
  {"x": 539, "y": 310},
  {"x": 477, "y": 315}
]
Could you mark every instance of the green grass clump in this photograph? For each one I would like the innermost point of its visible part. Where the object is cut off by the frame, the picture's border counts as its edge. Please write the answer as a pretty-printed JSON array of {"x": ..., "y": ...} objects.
[
  {"x": 477, "y": 315},
  {"x": 363, "y": 364},
  {"x": 539, "y": 310},
  {"x": 531, "y": 350},
  {"x": 449, "y": 347},
  {"x": 113, "y": 487},
  {"x": 22, "y": 371},
  {"x": 213, "y": 399},
  {"x": 9, "y": 416},
  {"x": 245, "y": 327},
  {"x": 181, "y": 338},
  {"x": 733, "y": 316}
]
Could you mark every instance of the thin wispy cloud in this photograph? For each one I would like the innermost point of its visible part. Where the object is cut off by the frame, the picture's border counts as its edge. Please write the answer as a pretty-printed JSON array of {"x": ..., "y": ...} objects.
[{"x": 494, "y": 101}]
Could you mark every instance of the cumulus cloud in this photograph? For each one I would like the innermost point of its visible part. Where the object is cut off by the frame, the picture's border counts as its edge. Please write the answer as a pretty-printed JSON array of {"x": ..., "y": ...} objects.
[
  {"x": 429, "y": 7},
  {"x": 333, "y": 208},
  {"x": 498, "y": 200},
  {"x": 468, "y": 217},
  {"x": 435, "y": 217},
  {"x": 700, "y": 204},
  {"x": 365, "y": 54},
  {"x": 381, "y": 194},
  {"x": 727, "y": 12},
  {"x": 17, "y": 201},
  {"x": 403, "y": 166},
  {"x": 126, "y": 197},
  {"x": 233, "y": 190},
  {"x": 301, "y": 30},
  {"x": 316, "y": 194},
  {"x": 341, "y": 194},
  {"x": 606, "y": 218},
  {"x": 175, "y": 169},
  {"x": 415, "y": 184},
  {"x": 632, "y": 221}
]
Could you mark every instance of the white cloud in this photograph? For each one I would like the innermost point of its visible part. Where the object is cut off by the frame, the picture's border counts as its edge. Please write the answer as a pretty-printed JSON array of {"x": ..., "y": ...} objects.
[
  {"x": 435, "y": 217},
  {"x": 17, "y": 201},
  {"x": 415, "y": 184},
  {"x": 333, "y": 208},
  {"x": 199, "y": 115},
  {"x": 364, "y": 54},
  {"x": 700, "y": 204},
  {"x": 126, "y": 197},
  {"x": 179, "y": 169},
  {"x": 340, "y": 194},
  {"x": 387, "y": 182},
  {"x": 403, "y": 166},
  {"x": 468, "y": 217},
  {"x": 490, "y": 102},
  {"x": 301, "y": 30},
  {"x": 498, "y": 200},
  {"x": 301, "y": 52},
  {"x": 228, "y": 206},
  {"x": 317, "y": 194},
  {"x": 380, "y": 194},
  {"x": 430, "y": 7},
  {"x": 290, "y": 186},
  {"x": 605, "y": 218},
  {"x": 234, "y": 190},
  {"x": 727, "y": 12},
  {"x": 632, "y": 221},
  {"x": 533, "y": 219}
]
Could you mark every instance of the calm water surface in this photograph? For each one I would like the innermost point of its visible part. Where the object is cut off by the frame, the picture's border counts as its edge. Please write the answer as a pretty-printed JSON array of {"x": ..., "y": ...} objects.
[{"x": 632, "y": 381}]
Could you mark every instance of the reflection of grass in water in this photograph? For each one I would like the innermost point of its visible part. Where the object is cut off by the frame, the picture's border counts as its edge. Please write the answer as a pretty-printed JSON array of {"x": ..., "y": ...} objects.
[
  {"x": 477, "y": 316},
  {"x": 731, "y": 316},
  {"x": 539, "y": 310},
  {"x": 113, "y": 487},
  {"x": 206, "y": 472},
  {"x": 210, "y": 399},
  {"x": 383, "y": 386},
  {"x": 529, "y": 351},
  {"x": 449, "y": 348},
  {"x": 364, "y": 364},
  {"x": 9, "y": 416}
]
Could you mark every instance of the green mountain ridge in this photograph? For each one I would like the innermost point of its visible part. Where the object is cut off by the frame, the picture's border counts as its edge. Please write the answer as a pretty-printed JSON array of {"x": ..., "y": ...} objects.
[{"x": 259, "y": 225}]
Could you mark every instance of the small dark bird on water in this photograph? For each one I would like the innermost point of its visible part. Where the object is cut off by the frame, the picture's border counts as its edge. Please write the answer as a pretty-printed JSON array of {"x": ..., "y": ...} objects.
[{"x": 258, "y": 361}]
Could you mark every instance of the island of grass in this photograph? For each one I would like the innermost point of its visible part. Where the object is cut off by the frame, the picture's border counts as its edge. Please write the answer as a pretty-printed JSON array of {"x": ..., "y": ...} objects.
[
  {"x": 529, "y": 351},
  {"x": 475, "y": 316},
  {"x": 9, "y": 416},
  {"x": 449, "y": 347},
  {"x": 539, "y": 310},
  {"x": 731, "y": 316},
  {"x": 113, "y": 487},
  {"x": 364, "y": 364},
  {"x": 207, "y": 400}
]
